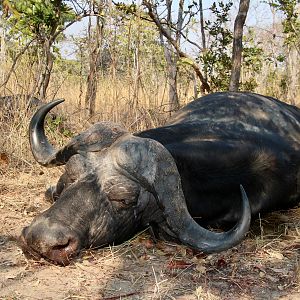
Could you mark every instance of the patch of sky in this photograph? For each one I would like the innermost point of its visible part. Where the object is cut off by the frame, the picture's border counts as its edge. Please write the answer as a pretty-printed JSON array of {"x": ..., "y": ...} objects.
[{"x": 260, "y": 17}]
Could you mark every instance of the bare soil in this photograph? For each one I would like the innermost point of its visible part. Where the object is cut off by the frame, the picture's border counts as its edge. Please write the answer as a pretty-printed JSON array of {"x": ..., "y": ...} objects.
[{"x": 265, "y": 266}]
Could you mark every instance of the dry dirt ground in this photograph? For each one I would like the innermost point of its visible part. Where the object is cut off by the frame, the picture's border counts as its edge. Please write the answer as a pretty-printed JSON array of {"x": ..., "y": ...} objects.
[{"x": 265, "y": 266}]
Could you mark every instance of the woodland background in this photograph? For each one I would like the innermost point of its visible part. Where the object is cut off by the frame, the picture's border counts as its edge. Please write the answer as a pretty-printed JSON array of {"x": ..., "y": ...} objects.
[
  {"x": 136, "y": 63},
  {"x": 149, "y": 55}
]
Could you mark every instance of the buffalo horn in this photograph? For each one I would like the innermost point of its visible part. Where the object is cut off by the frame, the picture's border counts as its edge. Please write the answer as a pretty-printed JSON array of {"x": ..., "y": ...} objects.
[{"x": 42, "y": 150}]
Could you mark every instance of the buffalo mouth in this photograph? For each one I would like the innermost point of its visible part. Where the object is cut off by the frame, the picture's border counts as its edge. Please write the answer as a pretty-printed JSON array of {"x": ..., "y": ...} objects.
[{"x": 61, "y": 253}]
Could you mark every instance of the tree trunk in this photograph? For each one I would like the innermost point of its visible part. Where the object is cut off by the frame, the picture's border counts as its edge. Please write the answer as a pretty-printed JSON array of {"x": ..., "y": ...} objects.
[
  {"x": 202, "y": 33},
  {"x": 171, "y": 57},
  {"x": 47, "y": 65},
  {"x": 172, "y": 75},
  {"x": 137, "y": 65},
  {"x": 95, "y": 41},
  {"x": 292, "y": 74},
  {"x": 238, "y": 45},
  {"x": 3, "y": 57},
  {"x": 195, "y": 86}
]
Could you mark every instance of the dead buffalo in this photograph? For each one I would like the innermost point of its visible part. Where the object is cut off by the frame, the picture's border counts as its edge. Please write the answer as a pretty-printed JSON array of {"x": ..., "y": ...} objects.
[{"x": 179, "y": 179}]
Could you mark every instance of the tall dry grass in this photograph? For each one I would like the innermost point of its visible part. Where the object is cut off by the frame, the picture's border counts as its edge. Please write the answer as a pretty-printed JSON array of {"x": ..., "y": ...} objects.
[
  {"x": 136, "y": 105},
  {"x": 14, "y": 146}
]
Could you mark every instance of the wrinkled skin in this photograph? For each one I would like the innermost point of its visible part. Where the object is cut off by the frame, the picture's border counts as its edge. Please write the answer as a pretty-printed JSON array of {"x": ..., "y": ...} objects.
[
  {"x": 116, "y": 184},
  {"x": 87, "y": 193}
]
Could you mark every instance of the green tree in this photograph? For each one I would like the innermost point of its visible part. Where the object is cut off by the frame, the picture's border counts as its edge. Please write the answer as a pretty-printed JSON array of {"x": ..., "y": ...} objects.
[
  {"x": 42, "y": 22},
  {"x": 217, "y": 58}
]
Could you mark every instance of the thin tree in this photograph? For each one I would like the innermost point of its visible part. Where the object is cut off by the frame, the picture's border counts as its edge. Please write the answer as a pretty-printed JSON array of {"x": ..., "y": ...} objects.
[
  {"x": 202, "y": 31},
  {"x": 95, "y": 37},
  {"x": 203, "y": 38},
  {"x": 238, "y": 45},
  {"x": 170, "y": 34}
]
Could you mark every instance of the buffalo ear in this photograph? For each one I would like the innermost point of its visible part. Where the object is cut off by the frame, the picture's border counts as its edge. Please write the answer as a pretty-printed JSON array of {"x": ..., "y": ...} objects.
[
  {"x": 150, "y": 164},
  {"x": 101, "y": 135}
]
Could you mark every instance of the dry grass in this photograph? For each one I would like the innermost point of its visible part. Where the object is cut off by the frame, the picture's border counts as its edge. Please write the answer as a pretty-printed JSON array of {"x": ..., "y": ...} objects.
[
  {"x": 14, "y": 146},
  {"x": 114, "y": 103}
]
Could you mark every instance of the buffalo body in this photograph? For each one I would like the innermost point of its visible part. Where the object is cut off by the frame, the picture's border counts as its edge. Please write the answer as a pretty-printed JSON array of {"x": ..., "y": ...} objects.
[{"x": 180, "y": 178}]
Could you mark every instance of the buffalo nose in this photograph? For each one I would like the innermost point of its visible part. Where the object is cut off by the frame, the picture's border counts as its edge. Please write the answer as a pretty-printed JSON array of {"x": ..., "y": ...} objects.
[{"x": 54, "y": 242}]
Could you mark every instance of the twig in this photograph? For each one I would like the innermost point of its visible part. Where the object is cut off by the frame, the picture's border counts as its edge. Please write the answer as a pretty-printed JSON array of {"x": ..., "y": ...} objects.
[
  {"x": 232, "y": 281},
  {"x": 120, "y": 296},
  {"x": 156, "y": 282}
]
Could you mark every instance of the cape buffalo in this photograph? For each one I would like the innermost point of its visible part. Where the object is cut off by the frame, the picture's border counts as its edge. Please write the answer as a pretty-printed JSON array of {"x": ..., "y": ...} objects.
[{"x": 180, "y": 178}]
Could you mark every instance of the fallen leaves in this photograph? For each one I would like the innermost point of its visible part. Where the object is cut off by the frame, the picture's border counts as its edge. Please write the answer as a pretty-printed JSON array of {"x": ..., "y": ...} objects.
[{"x": 275, "y": 254}]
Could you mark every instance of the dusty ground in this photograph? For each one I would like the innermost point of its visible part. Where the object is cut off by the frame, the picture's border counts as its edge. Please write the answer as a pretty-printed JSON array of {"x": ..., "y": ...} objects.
[{"x": 265, "y": 266}]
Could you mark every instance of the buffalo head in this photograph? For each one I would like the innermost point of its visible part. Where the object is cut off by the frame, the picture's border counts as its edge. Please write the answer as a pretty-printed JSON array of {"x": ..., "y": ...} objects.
[{"x": 114, "y": 185}]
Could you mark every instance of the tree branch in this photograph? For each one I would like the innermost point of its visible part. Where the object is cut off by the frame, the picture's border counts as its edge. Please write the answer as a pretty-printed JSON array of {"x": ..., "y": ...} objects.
[
  {"x": 164, "y": 32},
  {"x": 15, "y": 62}
]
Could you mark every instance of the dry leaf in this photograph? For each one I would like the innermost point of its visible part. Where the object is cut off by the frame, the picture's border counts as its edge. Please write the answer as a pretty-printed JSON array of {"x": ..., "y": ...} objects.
[
  {"x": 262, "y": 274},
  {"x": 201, "y": 269},
  {"x": 178, "y": 264},
  {"x": 275, "y": 254}
]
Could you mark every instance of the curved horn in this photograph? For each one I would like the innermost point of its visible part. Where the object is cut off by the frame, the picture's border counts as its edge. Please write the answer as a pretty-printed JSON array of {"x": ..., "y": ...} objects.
[
  {"x": 197, "y": 237},
  {"x": 154, "y": 168},
  {"x": 94, "y": 139},
  {"x": 42, "y": 150}
]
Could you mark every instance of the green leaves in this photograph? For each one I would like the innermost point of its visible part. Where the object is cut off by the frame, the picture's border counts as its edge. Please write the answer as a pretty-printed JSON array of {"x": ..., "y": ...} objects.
[
  {"x": 291, "y": 24},
  {"x": 37, "y": 17},
  {"x": 128, "y": 9},
  {"x": 185, "y": 61},
  {"x": 216, "y": 59}
]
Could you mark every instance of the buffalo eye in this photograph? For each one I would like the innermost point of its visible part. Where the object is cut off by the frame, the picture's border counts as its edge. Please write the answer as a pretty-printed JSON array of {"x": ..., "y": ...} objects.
[{"x": 121, "y": 192}]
